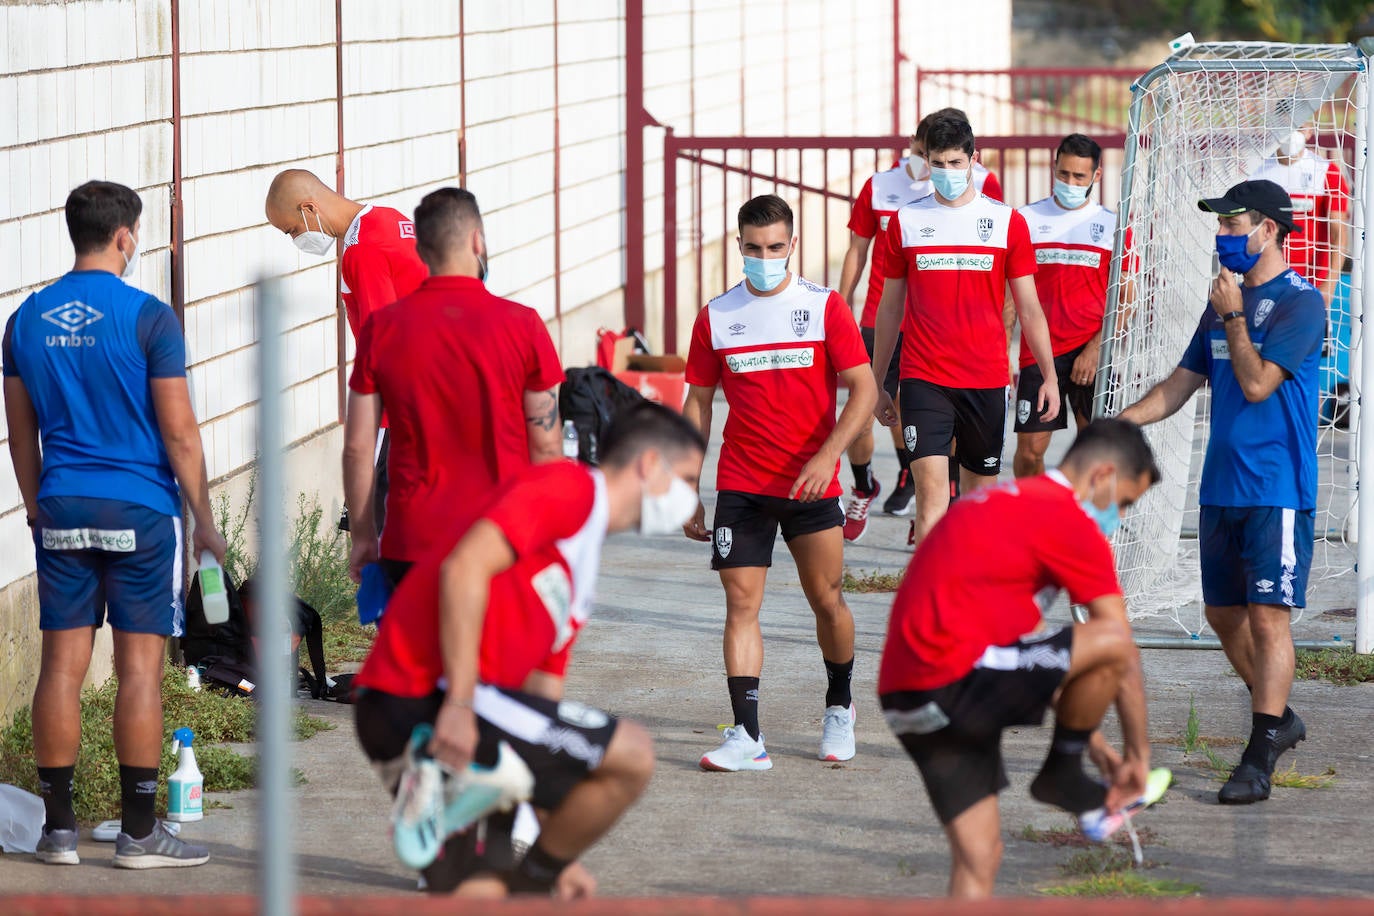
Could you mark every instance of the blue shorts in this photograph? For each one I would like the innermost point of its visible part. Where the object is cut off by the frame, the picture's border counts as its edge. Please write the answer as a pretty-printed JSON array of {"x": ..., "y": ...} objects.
[
  {"x": 94, "y": 553},
  {"x": 1255, "y": 555}
]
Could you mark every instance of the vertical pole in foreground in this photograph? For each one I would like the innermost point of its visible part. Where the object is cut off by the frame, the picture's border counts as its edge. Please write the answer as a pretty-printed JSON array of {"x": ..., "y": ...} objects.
[
  {"x": 276, "y": 860},
  {"x": 1364, "y": 439},
  {"x": 634, "y": 164}
]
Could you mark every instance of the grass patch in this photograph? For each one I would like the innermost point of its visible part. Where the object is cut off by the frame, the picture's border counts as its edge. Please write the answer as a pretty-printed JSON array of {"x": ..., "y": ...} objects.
[
  {"x": 1339, "y": 666},
  {"x": 1071, "y": 838},
  {"x": 1124, "y": 884},
  {"x": 1220, "y": 769},
  {"x": 870, "y": 582},
  {"x": 215, "y": 719}
]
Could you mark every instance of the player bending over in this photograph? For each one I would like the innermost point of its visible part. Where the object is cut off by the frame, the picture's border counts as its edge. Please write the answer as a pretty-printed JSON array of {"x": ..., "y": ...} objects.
[
  {"x": 968, "y": 653},
  {"x": 477, "y": 642}
]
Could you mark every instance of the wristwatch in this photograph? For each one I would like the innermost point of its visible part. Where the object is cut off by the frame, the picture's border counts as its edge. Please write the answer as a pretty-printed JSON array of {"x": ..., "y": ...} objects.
[{"x": 1229, "y": 315}]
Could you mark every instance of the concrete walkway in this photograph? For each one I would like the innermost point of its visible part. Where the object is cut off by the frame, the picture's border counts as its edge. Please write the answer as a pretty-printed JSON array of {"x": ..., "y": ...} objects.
[{"x": 861, "y": 828}]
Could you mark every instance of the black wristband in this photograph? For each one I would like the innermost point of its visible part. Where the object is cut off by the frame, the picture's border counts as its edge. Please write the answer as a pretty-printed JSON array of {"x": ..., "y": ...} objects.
[{"x": 1229, "y": 315}]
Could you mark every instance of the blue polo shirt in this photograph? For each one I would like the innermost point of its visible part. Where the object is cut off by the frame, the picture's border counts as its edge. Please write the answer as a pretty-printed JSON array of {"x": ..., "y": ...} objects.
[
  {"x": 1264, "y": 454},
  {"x": 86, "y": 348}
]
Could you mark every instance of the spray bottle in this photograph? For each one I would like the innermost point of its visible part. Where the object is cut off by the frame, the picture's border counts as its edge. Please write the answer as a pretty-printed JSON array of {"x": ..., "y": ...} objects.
[{"x": 184, "y": 786}]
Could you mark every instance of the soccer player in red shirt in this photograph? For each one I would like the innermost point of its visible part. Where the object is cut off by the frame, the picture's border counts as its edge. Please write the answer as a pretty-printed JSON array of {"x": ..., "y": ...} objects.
[
  {"x": 1073, "y": 238},
  {"x": 478, "y": 641},
  {"x": 378, "y": 264},
  {"x": 968, "y": 655},
  {"x": 776, "y": 345},
  {"x": 949, "y": 259},
  {"x": 469, "y": 382}
]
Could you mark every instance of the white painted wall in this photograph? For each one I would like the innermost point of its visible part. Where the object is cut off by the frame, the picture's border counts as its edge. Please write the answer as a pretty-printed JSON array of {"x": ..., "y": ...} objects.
[{"x": 85, "y": 92}]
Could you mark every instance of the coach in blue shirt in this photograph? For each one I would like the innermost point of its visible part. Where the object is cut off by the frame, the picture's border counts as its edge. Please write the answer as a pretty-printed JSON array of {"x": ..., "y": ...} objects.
[
  {"x": 1258, "y": 345},
  {"x": 101, "y": 432}
]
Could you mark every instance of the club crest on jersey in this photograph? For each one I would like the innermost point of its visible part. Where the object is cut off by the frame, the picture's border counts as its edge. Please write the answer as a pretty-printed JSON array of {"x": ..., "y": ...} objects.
[
  {"x": 801, "y": 320},
  {"x": 985, "y": 227},
  {"x": 724, "y": 539},
  {"x": 1022, "y": 411},
  {"x": 909, "y": 436},
  {"x": 1097, "y": 230},
  {"x": 1262, "y": 311}
]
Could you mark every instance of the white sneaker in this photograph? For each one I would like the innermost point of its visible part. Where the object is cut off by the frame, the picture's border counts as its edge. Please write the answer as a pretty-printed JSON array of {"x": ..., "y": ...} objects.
[
  {"x": 737, "y": 752},
  {"x": 837, "y": 733}
]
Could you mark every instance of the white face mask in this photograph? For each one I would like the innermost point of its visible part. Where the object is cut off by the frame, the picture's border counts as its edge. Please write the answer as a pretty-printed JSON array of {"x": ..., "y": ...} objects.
[
  {"x": 667, "y": 512},
  {"x": 131, "y": 261},
  {"x": 918, "y": 167},
  {"x": 1292, "y": 145},
  {"x": 314, "y": 241}
]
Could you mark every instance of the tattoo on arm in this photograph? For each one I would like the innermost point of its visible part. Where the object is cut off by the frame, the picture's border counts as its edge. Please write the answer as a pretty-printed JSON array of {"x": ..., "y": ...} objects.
[{"x": 545, "y": 417}]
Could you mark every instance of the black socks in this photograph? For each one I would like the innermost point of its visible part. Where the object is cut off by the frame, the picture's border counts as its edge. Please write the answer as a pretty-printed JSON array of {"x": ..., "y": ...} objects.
[
  {"x": 1062, "y": 782},
  {"x": 863, "y": 476},
  {"x": 537, "y": 872},
  {"x": 744, "y": 701},
  {"x": 137, "y": 792},
  {"x": 838, "y": 676},
  {"x": 55, "y": 786},
  {"x": 904, "y": 459},
  {"x": 1260, "y": 748}
]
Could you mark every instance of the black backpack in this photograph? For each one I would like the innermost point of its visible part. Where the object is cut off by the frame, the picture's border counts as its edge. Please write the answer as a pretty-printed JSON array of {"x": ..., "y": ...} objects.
[
  {"x": 591, "y": 398},
  {"x": 225, "y": 652}
]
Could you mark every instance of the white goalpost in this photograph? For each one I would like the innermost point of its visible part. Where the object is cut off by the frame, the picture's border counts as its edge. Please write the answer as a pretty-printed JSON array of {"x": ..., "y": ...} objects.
[{"x": 1209, "y": 117}]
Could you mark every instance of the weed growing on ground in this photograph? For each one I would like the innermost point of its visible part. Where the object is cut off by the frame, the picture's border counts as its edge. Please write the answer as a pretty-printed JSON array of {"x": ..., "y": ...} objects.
[
  {"x": 870, "y": 582},
  {"x": 1339, "y": 666},
  {"x": 214, "y": 718},
  {"x": 1190, "y": 730},
  {"x": 1072, "y": 838},
  {"x": 238, "y": 561},
  {"x": 1108, "y": 871},
  {"x": 1220, "y": 769}
]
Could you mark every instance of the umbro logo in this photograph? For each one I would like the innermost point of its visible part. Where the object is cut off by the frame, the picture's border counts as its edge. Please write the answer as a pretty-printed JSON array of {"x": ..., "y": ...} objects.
[
  {"x": 737, "y": 329},
  {"x": 1265, "y": 585},
  {"x": 73, "y": 316},
  {"x": 1045, "y": 228},
  {"x": 407, "y": 229},
  {"x": 927, "y": 231},
  {"x": 892, "y": 198},
  {"x": 990, "y": 462}
]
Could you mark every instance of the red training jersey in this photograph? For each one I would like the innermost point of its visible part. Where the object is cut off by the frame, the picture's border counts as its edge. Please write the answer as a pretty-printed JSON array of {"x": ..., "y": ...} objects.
[
  {"x": 1320, "y": 197},
  {"x": 776, "y": 358},
  {"x": 379, "y": 263},
  {"x": 554, "y": 516},
  {"x": 1073, "y": 260},
  {"x": 985, "y": 182},
  {"x": 882, "y": 195},
  {"x": 983, "y": 575},
  {"x": 451, "y": 363},
  {"x": 956, "y": 262}
]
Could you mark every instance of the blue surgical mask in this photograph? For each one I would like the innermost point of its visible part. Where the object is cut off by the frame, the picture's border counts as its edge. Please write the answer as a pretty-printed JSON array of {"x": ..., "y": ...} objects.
[
  {"x": 949, "y": 183},
  {"x": 1108, "y": 519},
  {"x": 1071, "y": 196},
  {"x": 764, "y": 274},
  {"x": 1234, "y": 253}
]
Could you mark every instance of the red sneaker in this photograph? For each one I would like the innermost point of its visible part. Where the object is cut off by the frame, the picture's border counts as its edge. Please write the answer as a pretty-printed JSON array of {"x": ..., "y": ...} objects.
[{"x": 856, "y": 512}]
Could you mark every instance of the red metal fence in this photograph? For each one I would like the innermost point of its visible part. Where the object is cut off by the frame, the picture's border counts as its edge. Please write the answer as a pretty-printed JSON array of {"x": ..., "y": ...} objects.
[
  {"x": 1039, "y": 101},
  {"x": 820, "y": 176}
]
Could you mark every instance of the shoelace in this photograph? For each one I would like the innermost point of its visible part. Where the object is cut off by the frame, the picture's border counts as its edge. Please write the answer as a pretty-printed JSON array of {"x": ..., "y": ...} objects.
[{"x": 858, "y": 507}]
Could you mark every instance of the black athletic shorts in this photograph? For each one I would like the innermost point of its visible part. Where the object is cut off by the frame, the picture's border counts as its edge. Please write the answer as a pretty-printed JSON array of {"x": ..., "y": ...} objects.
[
  {"x": 954, "y": 733},
  {"x": 1076, "y": 399},
  {"x": 894, "y": 367},
  {"x": 746, "y": 525},
  {"x": 560, "y": 741},
  {"x": 935, "y": 417}
]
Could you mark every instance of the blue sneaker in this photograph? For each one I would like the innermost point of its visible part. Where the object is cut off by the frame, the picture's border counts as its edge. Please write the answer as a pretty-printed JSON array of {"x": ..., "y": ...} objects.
[{"x": 57, "y": 847}]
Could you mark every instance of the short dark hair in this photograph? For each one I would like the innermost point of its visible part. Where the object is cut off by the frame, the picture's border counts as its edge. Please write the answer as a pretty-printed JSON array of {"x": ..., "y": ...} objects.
[
  {"x": 949, "y": 133},
  {"x": 923, "y": 128},
  {"x": 1256, "y": 217},
  {"x": 97, "y": 210},
  {"x": 443, "y": 219},
  {"x": 765, "y": 210},
  {"x": 1119, "y": 441},
  {"x": 1080, "y": 145},
  {"x": 644, "y": 426}
]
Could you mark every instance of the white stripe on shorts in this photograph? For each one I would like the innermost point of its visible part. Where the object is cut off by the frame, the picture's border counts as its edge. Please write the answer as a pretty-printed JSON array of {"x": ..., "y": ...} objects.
[
  {"x": 513, "y": 717},
  {"x": 178, "y": 577},
  {"x": 1288, "y": 554}
]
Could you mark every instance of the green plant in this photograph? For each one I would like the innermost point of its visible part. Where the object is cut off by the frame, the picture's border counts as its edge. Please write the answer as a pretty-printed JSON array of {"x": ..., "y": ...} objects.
[
  {"x": 318, "y": 557},
  {"x": 868, "y": 582},
  {"x": 1190, "y": 731},
  {"x": 238, "y": 562},
  {"x": 1124, "y": 884},
  {"x": 215, "y": 719},
  {"x": 1339, "y": 666}
]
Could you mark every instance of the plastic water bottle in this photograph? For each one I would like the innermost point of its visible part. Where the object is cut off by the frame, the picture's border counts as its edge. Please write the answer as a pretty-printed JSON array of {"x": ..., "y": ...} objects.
[
  {"x": 193, "y": 678},
  {"x": 185, "y": 786},
  {"x": 214, "y": 598},
  {"x": 569, "y": 440}
]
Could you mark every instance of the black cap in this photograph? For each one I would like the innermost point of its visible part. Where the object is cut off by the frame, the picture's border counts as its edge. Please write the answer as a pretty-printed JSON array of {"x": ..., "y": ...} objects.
[{"x": 1264, "y": 196}]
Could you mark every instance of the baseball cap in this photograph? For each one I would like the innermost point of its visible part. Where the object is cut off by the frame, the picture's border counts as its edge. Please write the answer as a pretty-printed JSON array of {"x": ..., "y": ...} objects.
[{"x": 1264, "y": 196}]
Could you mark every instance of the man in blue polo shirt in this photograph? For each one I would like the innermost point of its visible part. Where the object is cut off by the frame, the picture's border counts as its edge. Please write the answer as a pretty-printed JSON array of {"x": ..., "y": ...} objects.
[
  {"x": 95, "y": 374},
  {"x": 1258, "y": 345}
]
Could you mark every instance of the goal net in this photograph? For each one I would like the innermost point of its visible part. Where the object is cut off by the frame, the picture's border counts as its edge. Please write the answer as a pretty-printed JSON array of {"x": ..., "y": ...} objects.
[{"x": 1209, "y": 117}]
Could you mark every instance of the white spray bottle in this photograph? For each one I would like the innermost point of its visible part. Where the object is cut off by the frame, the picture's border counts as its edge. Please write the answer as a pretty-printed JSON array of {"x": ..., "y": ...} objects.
[{"x": 185, "y": 786}]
